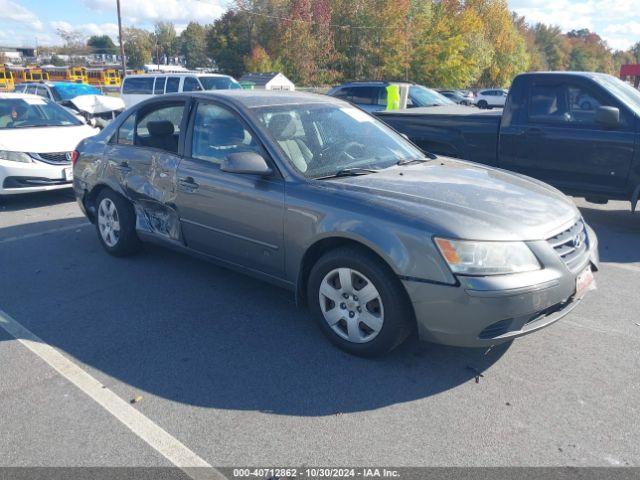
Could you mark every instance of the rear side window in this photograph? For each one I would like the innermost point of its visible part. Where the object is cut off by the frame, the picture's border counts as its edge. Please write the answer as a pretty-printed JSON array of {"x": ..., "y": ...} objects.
[
  {"x": 173, "y": 84},
  {"x": 126, "y": 131},
  {"x": 42, "y": 91},
  {"x": 362, "y": 95},
  {"x": 138, "y": 85},
  {"x": 191, "y": 84},
  {"x": 158, "y": 89},
  {"x": 159, "y": 127}
]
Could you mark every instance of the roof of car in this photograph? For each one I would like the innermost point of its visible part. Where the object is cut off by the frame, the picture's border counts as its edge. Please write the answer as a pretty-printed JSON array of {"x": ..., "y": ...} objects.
[
  {"x": 175, "y": 74},
  {"x": 49, "y": 83},
  {"x": 9, "y": 96},
  {"x": 264, "y": 98},
  {"x": 372, "y": 83},
  {"x": 572, "y": 73}
]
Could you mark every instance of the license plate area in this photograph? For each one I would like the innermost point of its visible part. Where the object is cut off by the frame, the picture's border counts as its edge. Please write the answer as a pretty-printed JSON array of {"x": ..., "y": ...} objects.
[
  {"x": 67, "y": 174},
  {"x": 584, "y": 281}
]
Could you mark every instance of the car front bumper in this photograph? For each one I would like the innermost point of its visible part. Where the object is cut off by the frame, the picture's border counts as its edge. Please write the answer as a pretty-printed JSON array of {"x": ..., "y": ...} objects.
[
  {"x": 485, "y": 311},
  {"x": 18, "y": 177}
]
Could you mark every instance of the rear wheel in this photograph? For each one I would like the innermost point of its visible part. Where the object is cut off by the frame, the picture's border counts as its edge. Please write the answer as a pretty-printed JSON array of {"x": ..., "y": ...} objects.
[
  {"x": 116, "y": 224},
  {"x": 359, "y": 302}
]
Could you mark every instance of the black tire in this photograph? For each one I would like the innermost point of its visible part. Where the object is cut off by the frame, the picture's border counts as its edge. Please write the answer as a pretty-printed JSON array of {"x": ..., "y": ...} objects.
[
  {"x": 398, "y": 315},
  {"x": 127, "y": 242}
]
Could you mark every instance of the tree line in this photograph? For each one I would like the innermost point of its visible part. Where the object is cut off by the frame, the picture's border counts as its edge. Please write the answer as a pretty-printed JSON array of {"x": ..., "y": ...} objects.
[{"x": 440, "y": 43}]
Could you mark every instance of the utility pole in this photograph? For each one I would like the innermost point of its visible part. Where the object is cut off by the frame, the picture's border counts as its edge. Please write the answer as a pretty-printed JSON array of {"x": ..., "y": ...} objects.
[{"x": 124, "y": 63}]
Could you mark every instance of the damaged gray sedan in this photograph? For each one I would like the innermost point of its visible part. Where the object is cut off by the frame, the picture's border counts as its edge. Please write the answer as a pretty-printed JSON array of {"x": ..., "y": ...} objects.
[{"x": 312, "y": 194}]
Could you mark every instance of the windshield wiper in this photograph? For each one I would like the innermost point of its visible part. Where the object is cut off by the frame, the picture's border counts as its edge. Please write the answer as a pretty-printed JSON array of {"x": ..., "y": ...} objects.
[
  {"x": 349, "y": 172},
  {"x": 430, "y": 156}
]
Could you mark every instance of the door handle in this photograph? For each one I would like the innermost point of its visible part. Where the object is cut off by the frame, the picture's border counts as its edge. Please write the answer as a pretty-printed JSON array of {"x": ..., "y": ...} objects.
[
  {"x": 123, "y": 167},
  {"x": 535, "y": 131},
  {"x": 188, "y": 184}
]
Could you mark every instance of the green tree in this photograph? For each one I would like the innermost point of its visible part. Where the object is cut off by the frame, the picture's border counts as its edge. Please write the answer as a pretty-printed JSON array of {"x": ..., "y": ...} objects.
[
  {"x": 553, "y": 45},
  {"x": 228, "y": 42},
  {"x": 259, "y": 61},
  {"x": 56, "y": 61},
  {"x": 138, "y": 44},
  {"x": 193, "y": 41},
  {"x": 166, "y": 40},
  {"x": 102, "y": 44}
]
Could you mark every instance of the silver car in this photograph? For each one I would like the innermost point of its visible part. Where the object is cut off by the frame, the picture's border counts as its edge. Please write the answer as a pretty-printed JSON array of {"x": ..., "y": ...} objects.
[{"x": 378, "y": 238}]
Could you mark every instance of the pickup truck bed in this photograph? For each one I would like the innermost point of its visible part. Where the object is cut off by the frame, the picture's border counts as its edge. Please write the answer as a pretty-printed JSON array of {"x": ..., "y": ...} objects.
[
  {"x": 578, "y": 131},
  {"x": 453, "y": 130}
]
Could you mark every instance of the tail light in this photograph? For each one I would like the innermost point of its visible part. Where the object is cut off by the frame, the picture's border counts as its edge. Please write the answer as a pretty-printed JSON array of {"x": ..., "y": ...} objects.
[{"x": 74, "y": 157}]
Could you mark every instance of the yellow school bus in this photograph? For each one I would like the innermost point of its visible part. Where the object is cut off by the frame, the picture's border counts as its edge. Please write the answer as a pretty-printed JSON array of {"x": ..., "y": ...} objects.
[
  {"x": 68, "y": 74},
  {"x": 28, "y": 74},
  {"x": 6, "y": 80},
  {"x": 109, "y": 77}
]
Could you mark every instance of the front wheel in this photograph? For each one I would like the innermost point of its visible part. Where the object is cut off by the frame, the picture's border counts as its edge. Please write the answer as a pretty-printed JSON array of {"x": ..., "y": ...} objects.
[
  {"x": 116, "y": 224},
  {"x": 483, "y": 104},
  {"x": 359, "y": 302}
]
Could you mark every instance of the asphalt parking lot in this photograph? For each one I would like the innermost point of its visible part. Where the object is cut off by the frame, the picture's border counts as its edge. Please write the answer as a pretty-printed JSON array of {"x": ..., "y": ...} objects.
[{"x": 234, "y": 371}]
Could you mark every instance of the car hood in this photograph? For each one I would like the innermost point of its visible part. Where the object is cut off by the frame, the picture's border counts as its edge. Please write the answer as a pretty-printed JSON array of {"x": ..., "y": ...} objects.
[
  {"x": 44, "y": 139},
  {"x": 467, "y": 200},
  {"x": 94, "y": 104}
]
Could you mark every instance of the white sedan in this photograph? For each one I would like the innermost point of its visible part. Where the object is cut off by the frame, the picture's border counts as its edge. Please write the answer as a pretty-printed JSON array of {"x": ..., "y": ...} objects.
[{"x": 37, "y": 140}]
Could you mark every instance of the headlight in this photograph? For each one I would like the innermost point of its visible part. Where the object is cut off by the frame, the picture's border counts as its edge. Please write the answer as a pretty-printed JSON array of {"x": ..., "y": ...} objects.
[
  {"x": 14, "y": 156},
  {"x": 487, "y": 258}
]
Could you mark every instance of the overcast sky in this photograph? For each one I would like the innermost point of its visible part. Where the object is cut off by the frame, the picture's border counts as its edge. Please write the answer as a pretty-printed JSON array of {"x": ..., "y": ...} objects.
[{"x": 23, "y": 22}]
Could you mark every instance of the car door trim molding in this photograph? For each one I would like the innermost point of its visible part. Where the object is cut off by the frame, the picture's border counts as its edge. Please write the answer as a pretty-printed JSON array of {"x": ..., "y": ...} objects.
[{"x": 230, "y": 234}]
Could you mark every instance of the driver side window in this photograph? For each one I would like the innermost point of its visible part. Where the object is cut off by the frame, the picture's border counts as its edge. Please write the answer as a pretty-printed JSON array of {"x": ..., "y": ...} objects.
[
  {"x": 569, "y": 103},
  {"x": 218, "y": 132}
]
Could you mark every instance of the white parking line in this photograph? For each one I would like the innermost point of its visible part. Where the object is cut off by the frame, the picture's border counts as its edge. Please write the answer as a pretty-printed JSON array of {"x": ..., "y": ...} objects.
[
  {"x": 45, "y": 232},
  {"x": 165, "y": 444}
]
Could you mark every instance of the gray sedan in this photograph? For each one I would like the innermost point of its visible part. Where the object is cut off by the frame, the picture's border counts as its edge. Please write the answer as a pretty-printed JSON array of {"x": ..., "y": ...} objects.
[{"x": 378, "y": 238}]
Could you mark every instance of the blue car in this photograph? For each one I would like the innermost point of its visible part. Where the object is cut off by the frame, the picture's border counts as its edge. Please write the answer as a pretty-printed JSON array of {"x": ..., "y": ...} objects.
[{"x": 57, "y": 91}]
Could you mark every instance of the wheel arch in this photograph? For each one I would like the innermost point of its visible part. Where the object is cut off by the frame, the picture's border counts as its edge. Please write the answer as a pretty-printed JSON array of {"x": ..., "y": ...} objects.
[
  {"x": 90, "y": 197},
  {"x": 326, "y": 244}
]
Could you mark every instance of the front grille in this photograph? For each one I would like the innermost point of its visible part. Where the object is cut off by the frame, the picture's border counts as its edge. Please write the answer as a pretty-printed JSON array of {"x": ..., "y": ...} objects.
[
  {"x": 571, "y": 245},
  {"x": 55, "y": 158}
]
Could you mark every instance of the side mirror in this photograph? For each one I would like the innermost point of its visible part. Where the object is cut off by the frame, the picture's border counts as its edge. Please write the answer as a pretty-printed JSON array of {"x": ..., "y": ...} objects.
[
  {"x": 247, "y": 163},
  {"x": 608, "y": 116}
]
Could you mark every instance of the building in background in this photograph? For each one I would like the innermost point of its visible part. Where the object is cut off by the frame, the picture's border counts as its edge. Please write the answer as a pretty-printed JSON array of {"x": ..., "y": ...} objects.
[{"x": 266, "y": 81}]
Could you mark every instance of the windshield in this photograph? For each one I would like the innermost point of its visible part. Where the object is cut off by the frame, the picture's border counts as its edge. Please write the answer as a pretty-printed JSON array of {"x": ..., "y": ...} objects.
[
  {"x": 321, "y": 139},
  {"x": 219, "y": 83},
  {"x": 73, "y": 90},
  {"x": 622, "y": 90},
  {"x": 425, "y": 97},
  {"x": 34, "y": 112}
]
